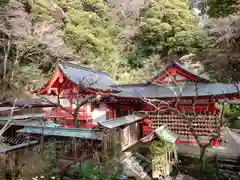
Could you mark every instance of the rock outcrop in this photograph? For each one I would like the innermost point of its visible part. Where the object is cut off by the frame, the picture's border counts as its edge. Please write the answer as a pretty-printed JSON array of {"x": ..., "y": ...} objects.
[{"x": 14, "y": 20}]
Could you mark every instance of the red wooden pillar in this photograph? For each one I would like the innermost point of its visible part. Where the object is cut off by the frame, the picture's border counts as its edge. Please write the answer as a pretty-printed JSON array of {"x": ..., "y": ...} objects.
[{"x": 107, "y": 112}]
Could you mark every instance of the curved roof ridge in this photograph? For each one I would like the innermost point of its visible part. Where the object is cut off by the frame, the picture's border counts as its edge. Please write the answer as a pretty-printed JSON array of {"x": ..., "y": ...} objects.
[
  {"x": 77, "y": 66},
  {"x": 181, "y": 65}
]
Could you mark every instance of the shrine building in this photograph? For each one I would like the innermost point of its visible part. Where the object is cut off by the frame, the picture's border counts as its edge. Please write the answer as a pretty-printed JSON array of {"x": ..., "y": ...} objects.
[{"x": 174, "y": 97}]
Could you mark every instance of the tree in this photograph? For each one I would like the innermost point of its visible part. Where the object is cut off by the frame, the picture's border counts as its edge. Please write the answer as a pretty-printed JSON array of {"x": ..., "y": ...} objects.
[
  {"x": 168, "y": 27},
  {"x": 218, "y": 8},
  {"x": 191, "y": 117},
  {"x": 3, "y": 3},
  {"x": 223, "y": 48},
  {"x": 80, "y": 100}
]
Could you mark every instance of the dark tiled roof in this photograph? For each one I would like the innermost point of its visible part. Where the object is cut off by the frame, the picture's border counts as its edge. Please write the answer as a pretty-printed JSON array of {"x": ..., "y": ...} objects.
[
  {"x": 30, "y": 102},
  {"x": 183, "y": 68},
  {"x": 95, "y": 79},
  {"x": 122, "y": 121},
  {"x": 190, "y": 90},
  {"x": 125, "y": 87}
]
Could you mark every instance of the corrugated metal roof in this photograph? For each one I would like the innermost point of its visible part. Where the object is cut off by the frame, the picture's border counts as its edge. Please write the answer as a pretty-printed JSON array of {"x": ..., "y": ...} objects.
[
  {"x": 31, "y": 102},
  {"x": 22, "y": 117},
  {"x": 64, "y": 132},
  {"x": 189, "y": 90},
  {"x": 162, "y": 132},
  {"x": 5, "y": 109},
  {"x": 91, "y": 78},
  {"x": 17, "y": 146},
  {"x": 122, "y": 121}
]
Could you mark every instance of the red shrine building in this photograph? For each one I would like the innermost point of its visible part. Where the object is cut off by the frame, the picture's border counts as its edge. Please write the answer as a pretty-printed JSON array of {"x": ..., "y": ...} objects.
[{"x": 173, "y": 97}]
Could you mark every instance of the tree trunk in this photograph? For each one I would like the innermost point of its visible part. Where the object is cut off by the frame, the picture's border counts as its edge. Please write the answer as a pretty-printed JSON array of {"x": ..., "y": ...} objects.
[
  {"x": 202, "y": 157},
  {"x": 75, "y": 117}
]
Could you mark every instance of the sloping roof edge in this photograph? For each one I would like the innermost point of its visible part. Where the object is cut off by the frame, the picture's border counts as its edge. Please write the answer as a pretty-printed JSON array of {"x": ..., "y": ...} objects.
[
  {"x": 122, "y": 121},
  {"x": 201, "y": 90},
  {"x": 63, "y": 132},
  {"x": 61, "y": 67},
  {"x": 180, "y": 66}
]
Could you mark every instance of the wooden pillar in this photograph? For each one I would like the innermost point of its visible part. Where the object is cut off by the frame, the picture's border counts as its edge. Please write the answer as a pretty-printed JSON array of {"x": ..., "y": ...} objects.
[
  {"x": 74, "y": 149},
  {"x": 107, "y": 112},
  {"x": 105, "y": 145}
]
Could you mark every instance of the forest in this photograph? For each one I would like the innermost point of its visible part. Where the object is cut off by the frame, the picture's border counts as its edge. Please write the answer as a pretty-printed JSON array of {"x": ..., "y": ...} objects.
[{"x": 131, "y": 40}]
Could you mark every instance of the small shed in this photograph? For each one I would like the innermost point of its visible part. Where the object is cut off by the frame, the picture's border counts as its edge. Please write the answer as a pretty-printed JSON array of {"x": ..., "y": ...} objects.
[
  {"x": 164, "y": 153},
  {"x": 123, "y": 130}
]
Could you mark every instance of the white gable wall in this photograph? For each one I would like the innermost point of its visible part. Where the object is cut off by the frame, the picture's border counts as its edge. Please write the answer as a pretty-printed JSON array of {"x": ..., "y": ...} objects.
[{"x": 99, "y": 114}]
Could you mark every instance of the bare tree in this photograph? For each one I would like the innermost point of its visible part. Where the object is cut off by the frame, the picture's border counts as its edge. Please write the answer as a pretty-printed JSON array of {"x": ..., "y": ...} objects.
[
  {"x": 161, "y": 106},
  {"x": 80, "y": 101}
]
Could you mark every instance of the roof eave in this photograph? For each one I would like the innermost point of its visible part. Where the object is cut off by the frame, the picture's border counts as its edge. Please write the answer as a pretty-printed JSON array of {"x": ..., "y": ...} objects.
[{"x": 174, "y": 63}]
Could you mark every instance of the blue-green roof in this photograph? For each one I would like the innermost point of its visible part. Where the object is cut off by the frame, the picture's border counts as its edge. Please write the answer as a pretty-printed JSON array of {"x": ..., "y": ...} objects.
[
  {"x": 18, "y": 146},
  {"x": 162, "y": 132},
  {"x": 64, "y": 132},
  {"x": 21, "y": 117}
]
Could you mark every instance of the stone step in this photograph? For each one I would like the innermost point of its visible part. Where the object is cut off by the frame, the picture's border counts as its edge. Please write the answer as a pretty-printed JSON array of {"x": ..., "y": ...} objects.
[
  {"x": 228, "y": 172},
  {"x": 184, "y": 177},
  {"x": 229, "y": 166}
]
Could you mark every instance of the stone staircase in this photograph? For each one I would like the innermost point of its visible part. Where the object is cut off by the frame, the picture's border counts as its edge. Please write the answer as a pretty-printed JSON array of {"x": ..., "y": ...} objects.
[
  {"x": 229, "y": 167},
  {"x": 228, "y": 161}
]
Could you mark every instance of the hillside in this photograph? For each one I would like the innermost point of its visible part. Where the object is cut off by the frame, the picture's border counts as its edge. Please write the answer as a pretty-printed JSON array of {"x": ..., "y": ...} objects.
[{"x": 130, "y": 39}]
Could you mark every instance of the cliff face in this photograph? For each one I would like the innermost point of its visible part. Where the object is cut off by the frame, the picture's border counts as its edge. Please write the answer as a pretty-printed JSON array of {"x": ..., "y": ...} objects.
[{"x": 15, "y": 21}]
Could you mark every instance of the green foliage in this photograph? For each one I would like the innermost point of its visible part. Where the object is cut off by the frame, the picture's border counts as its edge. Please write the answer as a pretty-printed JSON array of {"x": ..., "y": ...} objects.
[
  {"x": 86, "y": 30},
  {"x": 159, "y": 147},
  {"x": 184, "y": 41},
  {"x": 221, "y": 8},
  {"x": 233, "y": 108},
  {"x": 103, "y": 40},
  {"x": 90, "y": 172},
  {"x": 3, "y": 3},
  {"x": 169, "y": 27},
  {"x": 93, "y": 172},
  {"x": 95, "y": 33},
  {"x": 40, "y": 9}
]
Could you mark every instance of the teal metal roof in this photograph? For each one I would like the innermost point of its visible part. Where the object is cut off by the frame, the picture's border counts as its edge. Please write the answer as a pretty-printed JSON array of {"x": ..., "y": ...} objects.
[
  {"x": 21, "y": 117},
  {"x": 122, "y": 121},
  {"x": 40, "y": 124},
  {"x": 64, "y": 132},
  {"x": 164, "y": 133},
  {"x": 17, "y": 146}
]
